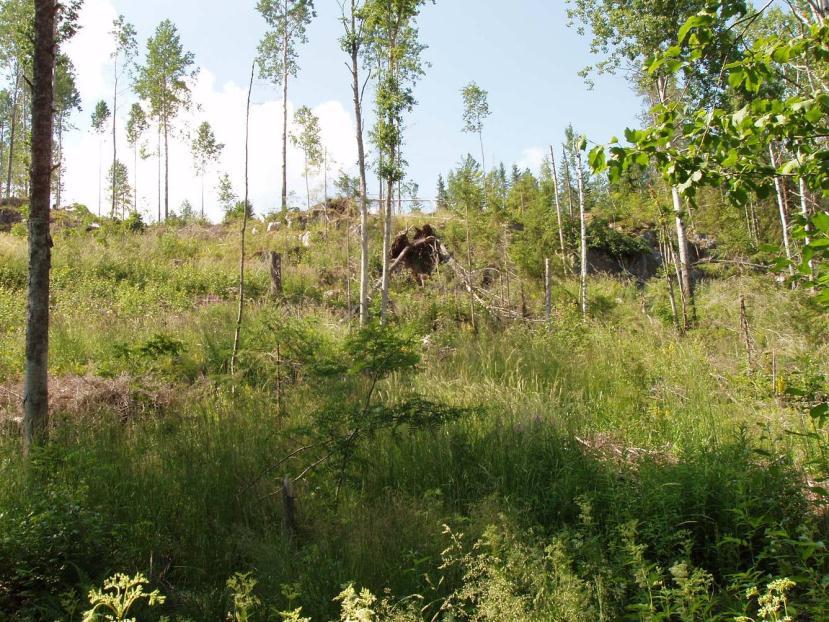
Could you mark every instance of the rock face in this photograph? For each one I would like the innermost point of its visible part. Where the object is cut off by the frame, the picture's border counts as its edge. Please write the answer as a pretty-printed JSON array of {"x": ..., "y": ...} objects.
[
  {"x": 641, "y": 263},
  {"x": 638, "y": 257},
  {"x": 8, "y": 217}
]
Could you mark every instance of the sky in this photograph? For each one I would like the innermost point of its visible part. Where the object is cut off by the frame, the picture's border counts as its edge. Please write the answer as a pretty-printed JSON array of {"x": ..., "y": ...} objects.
[{"x": 522, "y": 52}]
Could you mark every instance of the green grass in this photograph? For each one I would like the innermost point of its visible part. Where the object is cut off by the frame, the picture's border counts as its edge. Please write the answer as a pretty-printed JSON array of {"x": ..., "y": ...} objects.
[{"x": 594, "y": 453}]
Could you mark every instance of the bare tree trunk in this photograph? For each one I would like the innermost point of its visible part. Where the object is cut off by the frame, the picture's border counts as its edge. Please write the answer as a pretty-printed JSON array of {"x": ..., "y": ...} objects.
[
  {"x": 804, "y": 211},
  {"x": 114, "y": 133},
  {"x": 469, "y": 268},
  {"x": 59, "y": 166},
  {"x": 135, "y": 177},
  {"x": 387, "y": 226},
  {"x": 583, "y": 220},
  {"x": 686, "y": 283},
  {"x": 558, "y": 206},
  {"x": 239, "y": 315},
  {"x": 36, "y": 389},
  {"x": 13, "y": 129},
  {"x": 166, "y": 170},
  {"x": 307, "y": 186},
  {"x": 276, "y": 274},
  {"x": 548, "y": 291},
  {"x": 158, "y": 162},
  {"x": 361, "y": 157},
  {"x": 781, "y": 205},
  {"x": 285, "y": 116},
  {"x": 100, "y": 172},
  {"x": 664, "y": 241},
  {"x": 567, "y": 181}
]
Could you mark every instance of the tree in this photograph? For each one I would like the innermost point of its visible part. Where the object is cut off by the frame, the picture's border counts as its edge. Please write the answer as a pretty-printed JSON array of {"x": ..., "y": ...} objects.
[
  {"x": 119, "y": 185},
  {"x": 726, "y": 147},
  {"x": 126, "y": 48},
  {"x": 52, "y": 23},
  {"x": 67, "y": 99},
  {"x": 162, "y": 82},
  {"x": 186, "y": 211},
  {"x": 442, "y": 196},
  {"x": 278, "y": 54},
  {"x": 136, "y": 127},
  {"x": 308, "y": 139},
  {"x": 100, "y": 116},
  {"x": 227, "y": 197},
  {"x": 36, "y": 386},
  {"x": 396, "y": 49},
  {"x": 475, "y": 111},
  {"x": 629, "y": 33},
  {"x": 206, "y": 151},
  {"x": 16, "y": 36},
  {"x": 353, "y": 43},
  {"x": 578, "y": 148}
]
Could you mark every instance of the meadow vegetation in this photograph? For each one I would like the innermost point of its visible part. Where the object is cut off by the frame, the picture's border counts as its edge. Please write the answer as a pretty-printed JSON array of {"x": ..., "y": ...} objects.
[{"x": 594, "y": 469}]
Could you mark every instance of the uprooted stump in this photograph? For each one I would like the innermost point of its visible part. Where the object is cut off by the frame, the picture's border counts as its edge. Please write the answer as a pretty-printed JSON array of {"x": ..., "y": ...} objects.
[{"x": 421, "y": 254}]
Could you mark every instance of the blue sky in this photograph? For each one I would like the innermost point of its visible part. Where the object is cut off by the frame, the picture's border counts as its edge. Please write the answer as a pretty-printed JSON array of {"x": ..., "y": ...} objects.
[{"x": 522, "y": 52}]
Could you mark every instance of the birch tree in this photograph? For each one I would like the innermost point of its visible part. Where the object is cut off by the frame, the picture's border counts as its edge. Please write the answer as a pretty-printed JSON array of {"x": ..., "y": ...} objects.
[
  {"x": 100, "y": 116},
  {"x": 136, "y": 127},
  {"x": 475, "y": 112},
  {"x": 397, "y": 51},
  {"x": 578, "y": 148},
  {"x": 625, "y": 34},
  {"x": 353, "y": 42},
  {"x": 126, "y": 48},
  {"x": 163, "y": 82},
  {"x": 307, "y": 138},
  {"x": 557, "y": 204},
  {"x": 278, "y": 55},
  {"x": 206, "y": 150}
]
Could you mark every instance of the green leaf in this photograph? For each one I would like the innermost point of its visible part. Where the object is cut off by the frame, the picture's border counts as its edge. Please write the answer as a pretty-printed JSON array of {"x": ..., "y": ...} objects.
[
  {"x": 697, "y": 21},
  {"x": 597, "y": 159}
]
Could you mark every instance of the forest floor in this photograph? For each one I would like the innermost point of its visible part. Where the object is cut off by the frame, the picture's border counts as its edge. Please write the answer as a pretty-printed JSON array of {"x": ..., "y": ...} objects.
[{"x": 587, "y": 469}]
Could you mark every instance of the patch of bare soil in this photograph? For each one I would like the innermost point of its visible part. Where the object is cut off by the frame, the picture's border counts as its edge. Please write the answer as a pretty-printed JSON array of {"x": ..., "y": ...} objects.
[{"x": 76, "y": 397}]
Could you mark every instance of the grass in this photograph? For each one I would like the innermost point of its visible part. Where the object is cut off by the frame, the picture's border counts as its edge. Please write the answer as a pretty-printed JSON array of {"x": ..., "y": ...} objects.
[{"x": 600, "y": 467}]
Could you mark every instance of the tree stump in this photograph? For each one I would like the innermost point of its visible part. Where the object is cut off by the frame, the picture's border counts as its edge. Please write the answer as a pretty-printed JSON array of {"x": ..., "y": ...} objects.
[{"x": 276, "y": 274}]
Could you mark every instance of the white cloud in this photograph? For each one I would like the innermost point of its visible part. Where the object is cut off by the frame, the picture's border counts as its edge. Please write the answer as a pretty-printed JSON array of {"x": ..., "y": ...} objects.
[
  {"x": 222, "y": 106},
  {"x": 531, "y": 158}
]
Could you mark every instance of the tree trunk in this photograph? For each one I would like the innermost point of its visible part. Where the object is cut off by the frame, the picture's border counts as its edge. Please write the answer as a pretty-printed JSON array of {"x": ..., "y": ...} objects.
[
  {"x": 158, "y": 161},
  {"x": 307, "y": 186},
  {"x": 686, "y": 285},
  {"x": 285, "y": 118},
  {"x": 59, "y": 166},
  {"x": 135, "y": 177},
  {"x": 567, "y": 182},
  {"x": 548, "y": 291},
  {"x": 13, "y": 129},
  {"x": 387, "y": 225},
  {"x": 239, "y": 316},
  {"x": 166, "y": 171},
  {"x": 276, "y": 274},
  {"x": 100, "y": 172},
  {"x": 361, "y": 157},
  {"x": 583, "y": 221},
  {"x": 114, "y": 133},
  {"x": 36, "y": 389},
  {"x": 558, "y": 206},
  {"x": 202, "y": 196},
  {"x": 804, "y": 211},
  {"x": 781, "y": 205}
]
